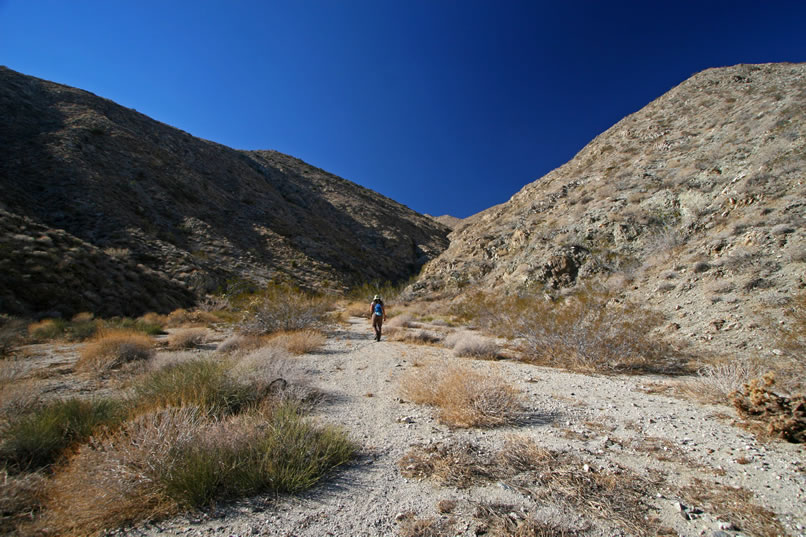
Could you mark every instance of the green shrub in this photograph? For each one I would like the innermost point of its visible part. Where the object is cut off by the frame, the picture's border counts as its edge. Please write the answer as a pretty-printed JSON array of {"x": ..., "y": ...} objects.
[
  {"x": 36, "y": 439},
  {"x": 205, "y": 383}
]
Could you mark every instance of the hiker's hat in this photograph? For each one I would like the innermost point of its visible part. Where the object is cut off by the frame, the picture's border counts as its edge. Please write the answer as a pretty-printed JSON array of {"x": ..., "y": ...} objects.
[{"x": 377, "y": 297}]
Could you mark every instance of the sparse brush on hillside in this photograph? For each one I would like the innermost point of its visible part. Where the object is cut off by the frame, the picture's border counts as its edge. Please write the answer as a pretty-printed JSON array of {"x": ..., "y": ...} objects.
[
  {"x": 589, "y": 330},
  {"x": 111, "y": 349},
  {"x": 12, "y": 332},
  {"x": 463, "y": 396},
  {"x": 280, "y": 307}
]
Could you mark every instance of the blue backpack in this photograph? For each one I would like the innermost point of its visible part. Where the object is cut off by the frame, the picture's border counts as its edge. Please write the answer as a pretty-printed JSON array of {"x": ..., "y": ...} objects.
[{"x": 378, "y": 309}]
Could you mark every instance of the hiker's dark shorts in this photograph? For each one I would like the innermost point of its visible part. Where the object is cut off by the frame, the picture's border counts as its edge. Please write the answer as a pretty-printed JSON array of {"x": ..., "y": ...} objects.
[{"x": 377, "y": 320}]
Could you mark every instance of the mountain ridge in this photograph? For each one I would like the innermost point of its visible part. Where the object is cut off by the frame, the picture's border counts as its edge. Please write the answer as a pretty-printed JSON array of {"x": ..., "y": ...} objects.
[{"x": 197, "y": 212}]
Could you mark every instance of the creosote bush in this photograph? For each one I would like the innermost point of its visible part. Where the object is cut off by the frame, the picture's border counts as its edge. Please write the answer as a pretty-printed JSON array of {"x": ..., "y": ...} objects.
[
  {"x": 463, "y": 396},
  {"x": 111, "y": 349}
]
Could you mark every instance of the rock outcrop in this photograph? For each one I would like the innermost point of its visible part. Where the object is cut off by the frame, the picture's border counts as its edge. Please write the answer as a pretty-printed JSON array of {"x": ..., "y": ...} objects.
[
  {"x": 694, "y": 205},
  {"x": 192, "y": 214}
]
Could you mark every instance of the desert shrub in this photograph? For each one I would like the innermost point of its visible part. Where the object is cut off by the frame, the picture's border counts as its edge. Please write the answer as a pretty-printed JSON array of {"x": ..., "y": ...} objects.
[
  {"x": 20, "y": 497},
  {"x": 300, "y": 341},
  {"x": 418, "y": 337},
  {"x": 113, "y": 348},
  {"x": 283, "y": 308},
  {"x": 187, "y": 338},
  {"x": 590, "y": 330},
  {"x": 459, "y": 465},
  {"x": 184, "y": 318},
  {"x": 767, "y": 412},
  {"x": 241, "y": 343},
  {"x": 12, "y": 332},
  {"x": 177, "y": 458},
  {"x": 474, "y": 346},
  {"x": 357, "y": 309},
  {"x": 205, "y": 383},
  {"x": 464, "y": 397},
  {"x": 412, "y": 526},
  {"x": 36, "y": 439},
  {"x": 404, "y": 320},
  {"x": 716, "y": 382},
  {"x": 47, "y": 329}
]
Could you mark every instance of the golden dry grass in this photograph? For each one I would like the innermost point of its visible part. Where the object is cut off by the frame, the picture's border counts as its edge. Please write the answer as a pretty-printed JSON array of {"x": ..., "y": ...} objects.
[
  {"x": 300, "y": 341},
  {"x": 187, "y": 338},
  {"x": 111, "y": 349},
  {"x": 182, "y": 318},
  {"x": 240, "y": 343},
  {"x": 463, "y": 396},
  {"x": 357, "y": 309}
]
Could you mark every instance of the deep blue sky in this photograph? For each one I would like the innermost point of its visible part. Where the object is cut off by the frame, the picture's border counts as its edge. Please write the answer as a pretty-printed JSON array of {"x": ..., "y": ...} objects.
[{"x": 445, "y": 106}]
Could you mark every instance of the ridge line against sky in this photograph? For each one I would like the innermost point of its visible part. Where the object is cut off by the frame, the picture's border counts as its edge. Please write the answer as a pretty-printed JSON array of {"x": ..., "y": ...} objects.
[{"x": 444, "y": 106}]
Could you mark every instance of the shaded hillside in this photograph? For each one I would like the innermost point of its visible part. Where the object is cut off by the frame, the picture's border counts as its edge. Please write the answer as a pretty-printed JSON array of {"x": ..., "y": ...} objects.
[
  {"x": 194, "y": 212},
  {"x": 694, "y": 205}
]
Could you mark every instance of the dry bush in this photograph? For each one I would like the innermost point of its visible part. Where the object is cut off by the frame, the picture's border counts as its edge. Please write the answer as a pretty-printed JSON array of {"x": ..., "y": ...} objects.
[
  {"x": 411, "y": 526},
  {"x": 20, "y": 499},
  {"x": 475, "y": 346},
  {"x": 177, "y": 458},
  {"x": 464, "y": 397},
  {"x": 187, "y": 338},
  {"x": 459, "y": 465},
  {"x": 300, "y": 341},
  {"x": 274, "y": 373},
  {"x": 503, "y": 520},
  {"x": 238, "y": 343},
  {"x": 775, "y": 415},
  {"x": 18, "y": 397},
  {"x": 46, "y": 329},
  {"x": 111, "y": 349},
  {"x": 615, "y": 495},
  {"x": 12, "y": 333},
  {"x": 357, "y": 309},
  {"x": 417, "y": 337},
  {"x": 182, "y": 318},
  {"x": 734, "y": 505},
  {"x": 716, "y": 382},
  {"x": 282, "y": 308},
  {"x": 591, "y": 330},
  {"x": 404, "y": 320}
]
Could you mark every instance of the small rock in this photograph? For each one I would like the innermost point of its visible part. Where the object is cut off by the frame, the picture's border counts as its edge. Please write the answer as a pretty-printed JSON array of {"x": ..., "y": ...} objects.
[{"x": 729, "y": 526}]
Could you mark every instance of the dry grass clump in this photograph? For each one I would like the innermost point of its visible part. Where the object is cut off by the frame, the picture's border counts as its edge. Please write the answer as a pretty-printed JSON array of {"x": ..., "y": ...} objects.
[
  {"x": 111, "y": 349},
  {"x": 417, "y": 337},
  {"x": 357, "y": 309},
  {"x": 20, "y": 498},
  {"x": 182, "y": 318},
  {"x": 177, "y": 458},
  {"x": 411, "y": 526},
  {"x": 300, "y": 341},
  {"x": 237, "y": 343},
  {"x": 464, "y": 397},
  {"x": 404, "y": 320},
  {"x": 504, "y": 520},
  {"x": 187, "y": 338},
  {"x": 615, "y": 495},
  {"x": 458, "y": 465},
  {"x": 716, "y": 382},
  {"x": 471, "y": 345},
  {"x": 12, "y": 332},
  {"x": 734, "y": 505},
  {"x": 769, "y": 413}
]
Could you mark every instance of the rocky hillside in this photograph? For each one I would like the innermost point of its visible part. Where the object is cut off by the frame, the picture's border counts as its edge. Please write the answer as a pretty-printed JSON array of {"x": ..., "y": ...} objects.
[
  {"x": 186, "y": 214},
  {"x": 694, "y": 205}
]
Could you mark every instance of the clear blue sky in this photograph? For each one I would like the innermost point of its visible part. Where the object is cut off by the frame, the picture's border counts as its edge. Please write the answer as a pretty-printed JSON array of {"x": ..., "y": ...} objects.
[{"x": 445, "y": 106}]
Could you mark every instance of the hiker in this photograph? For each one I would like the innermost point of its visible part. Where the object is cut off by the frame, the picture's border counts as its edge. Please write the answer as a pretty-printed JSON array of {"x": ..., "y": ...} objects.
[{"x": 378, "y": 315}]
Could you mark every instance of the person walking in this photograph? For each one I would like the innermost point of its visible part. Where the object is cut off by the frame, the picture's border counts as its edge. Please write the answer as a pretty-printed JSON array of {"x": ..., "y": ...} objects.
[{"x": 378, "y": 315}]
